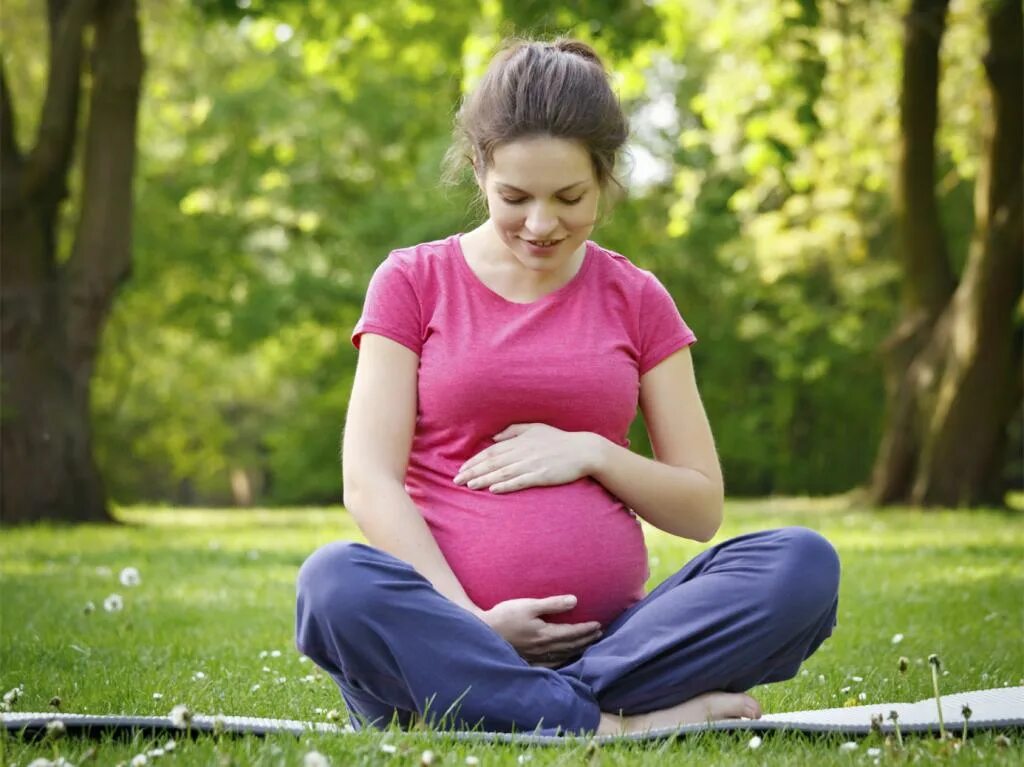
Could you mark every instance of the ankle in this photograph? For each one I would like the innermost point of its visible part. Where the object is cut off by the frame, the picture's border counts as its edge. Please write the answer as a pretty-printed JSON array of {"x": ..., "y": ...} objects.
[{"x": 612, "y": 724}]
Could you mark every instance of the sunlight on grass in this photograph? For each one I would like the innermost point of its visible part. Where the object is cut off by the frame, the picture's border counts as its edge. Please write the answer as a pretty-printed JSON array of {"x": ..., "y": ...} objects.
[{"x": 211, "y": 625}]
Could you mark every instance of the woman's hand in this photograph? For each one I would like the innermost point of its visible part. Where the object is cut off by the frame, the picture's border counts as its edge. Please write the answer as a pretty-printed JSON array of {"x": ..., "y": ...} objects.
[
  {"x": 531, "y": 455},
  {"x": 541, "y": 643}
]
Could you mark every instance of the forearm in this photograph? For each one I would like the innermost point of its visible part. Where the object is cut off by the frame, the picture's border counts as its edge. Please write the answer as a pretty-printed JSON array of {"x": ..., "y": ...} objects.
[
  {"x": 391, "y": 522},
  {"x": 678, "y": 500}
]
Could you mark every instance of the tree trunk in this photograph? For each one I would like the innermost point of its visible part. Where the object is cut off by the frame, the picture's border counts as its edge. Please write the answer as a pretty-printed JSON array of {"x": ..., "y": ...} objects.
[
  {"x": 953, "y": 366},
  {"x": 53, "y": 313}
]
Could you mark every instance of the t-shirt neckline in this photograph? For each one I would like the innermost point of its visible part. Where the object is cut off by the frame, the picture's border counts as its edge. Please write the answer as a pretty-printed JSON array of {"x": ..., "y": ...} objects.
[{"x": 455, "y": 245}]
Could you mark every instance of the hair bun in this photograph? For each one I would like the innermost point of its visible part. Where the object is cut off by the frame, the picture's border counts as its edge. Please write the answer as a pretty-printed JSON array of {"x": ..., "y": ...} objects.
[{"x": 578, "y": 48}]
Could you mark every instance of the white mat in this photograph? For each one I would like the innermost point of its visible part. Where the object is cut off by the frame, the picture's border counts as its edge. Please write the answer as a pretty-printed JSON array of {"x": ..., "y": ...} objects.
[{"x": 994, "y": 709}]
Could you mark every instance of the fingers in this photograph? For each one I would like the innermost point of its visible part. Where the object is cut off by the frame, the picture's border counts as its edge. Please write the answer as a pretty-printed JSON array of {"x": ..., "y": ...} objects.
[
  {"x": 558, "y": 604},
  {"x": 570, "y": 646}
]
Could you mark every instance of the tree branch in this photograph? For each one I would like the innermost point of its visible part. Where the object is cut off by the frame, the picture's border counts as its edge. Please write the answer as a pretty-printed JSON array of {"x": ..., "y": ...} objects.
[
  {"x": 50, "y": 158},
  {"x": 928, "y": 279},
  {"x": 10, "y": 156},
  {"x": 102, "y": 251}
]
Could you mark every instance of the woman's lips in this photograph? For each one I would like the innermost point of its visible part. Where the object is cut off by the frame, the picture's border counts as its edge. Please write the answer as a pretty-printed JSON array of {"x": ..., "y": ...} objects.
[{"x": 536, "y": 248}]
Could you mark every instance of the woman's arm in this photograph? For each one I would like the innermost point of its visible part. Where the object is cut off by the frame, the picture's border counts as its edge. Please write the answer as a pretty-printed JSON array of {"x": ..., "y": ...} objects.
[
  {"x": 682, "y": 491},
  {"x": 375, "y": 453}
]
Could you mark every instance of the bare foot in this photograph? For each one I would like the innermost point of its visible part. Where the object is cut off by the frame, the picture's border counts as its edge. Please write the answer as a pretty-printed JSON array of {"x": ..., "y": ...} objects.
[{"x": 708, "y": 707}]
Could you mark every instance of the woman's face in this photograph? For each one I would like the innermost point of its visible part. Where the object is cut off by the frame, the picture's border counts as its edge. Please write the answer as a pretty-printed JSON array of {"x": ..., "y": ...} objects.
[{"x": 542, "y": 195}]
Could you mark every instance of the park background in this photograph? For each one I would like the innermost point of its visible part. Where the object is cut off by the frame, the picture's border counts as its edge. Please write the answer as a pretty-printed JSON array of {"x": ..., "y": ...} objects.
[
  {"x": 195, "y": 193},
  {"x": 813, "y": 181}
]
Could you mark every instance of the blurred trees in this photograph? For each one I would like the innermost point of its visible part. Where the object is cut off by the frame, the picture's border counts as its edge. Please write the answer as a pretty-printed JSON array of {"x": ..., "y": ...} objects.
[
  {"x": 954, "y": 365},
  {"x": 57, "y": 291},
  {"x": 286, "y": 146}
]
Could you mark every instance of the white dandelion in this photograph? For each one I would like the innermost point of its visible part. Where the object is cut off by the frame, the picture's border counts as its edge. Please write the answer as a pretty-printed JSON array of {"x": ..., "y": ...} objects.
[
  {"x": 198, "y": 676},
  {"x": 155, "y": 753},
  {"x": 170, "y": 745},
  {"x": 139, "y": 760},
  {"x": 315, "y": 759},
  {"x": 255, "y": 687},
  {"x": 848, "y": 746},
  {"x": 275, "y": 653},
  {"x": 180, "y": 716},
  {"x": 873, "y": 752},
  {"x": 113, "y": 603},
  {"x": 472, "y": 760},
  {"x": 862, "y": 696},
  {"x": 388, "y": 748},
  {"x": 158, "y": 695},
  {"x": 426, "y": 758},
  {"x": 754, "y": 742},
  {"x": 12, "y": 695},
  {"x": 897, "y": 638},
  {"x": 130, "y": 577}
]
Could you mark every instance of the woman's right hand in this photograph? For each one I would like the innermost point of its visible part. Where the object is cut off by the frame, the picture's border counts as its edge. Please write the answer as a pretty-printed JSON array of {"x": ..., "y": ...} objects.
[{"x": 541, "y": 643}]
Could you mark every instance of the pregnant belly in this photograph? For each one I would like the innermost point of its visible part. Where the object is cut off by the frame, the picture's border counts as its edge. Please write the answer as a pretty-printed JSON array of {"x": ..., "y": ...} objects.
[{"x": 571, "y": 539}]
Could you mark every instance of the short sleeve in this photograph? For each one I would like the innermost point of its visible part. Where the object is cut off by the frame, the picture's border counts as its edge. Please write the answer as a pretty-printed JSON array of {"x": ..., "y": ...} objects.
[
  {"x": 662, "y": 329},
  {"x": 391, "y": 308}
]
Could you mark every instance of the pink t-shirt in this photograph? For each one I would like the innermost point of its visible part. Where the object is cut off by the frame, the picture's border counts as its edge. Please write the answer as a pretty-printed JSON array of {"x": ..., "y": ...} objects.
[{"x": 571, "y": 359}]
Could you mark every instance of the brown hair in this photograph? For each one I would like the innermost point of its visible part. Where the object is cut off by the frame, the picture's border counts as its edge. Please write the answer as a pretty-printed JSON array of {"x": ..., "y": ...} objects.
[{"x": 558, "y": 88}]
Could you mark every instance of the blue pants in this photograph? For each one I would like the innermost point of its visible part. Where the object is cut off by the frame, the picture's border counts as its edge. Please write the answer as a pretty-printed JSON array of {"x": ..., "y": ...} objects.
[{"x": 747, "y": 611}]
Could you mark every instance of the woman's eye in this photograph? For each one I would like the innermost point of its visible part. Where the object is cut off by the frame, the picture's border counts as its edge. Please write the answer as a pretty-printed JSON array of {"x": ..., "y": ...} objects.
[
  {"x": 523, "y": 199},
  {"x": 514, "y": 202},
  {"x": 573, "y": 202}
]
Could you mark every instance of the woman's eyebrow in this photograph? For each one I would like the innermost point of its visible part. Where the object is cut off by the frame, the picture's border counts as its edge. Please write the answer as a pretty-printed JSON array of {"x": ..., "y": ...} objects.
[{"x": 559, "y": 191}]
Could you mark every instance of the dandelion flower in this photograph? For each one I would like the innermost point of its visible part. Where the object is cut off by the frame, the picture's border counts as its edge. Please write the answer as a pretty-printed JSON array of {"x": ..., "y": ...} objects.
[
  {"x": 303, "y": 659},
  {"x": 848, "y": 746},
  {"x": 55, "y": 729},
  {"x": 333, "y": 715},
  {"x": 524, "y": 758},
  {"x": 263, "y": 654},
  {"x": 139, "y": 760},
  {"x": 170, "y": 745},
  {"x": 275, "y": 653},
  {"x": 857, "y": 678},
  {"x": 862, "y": 696},
  {"x": 180, "y": 716},
  {"x": 12, "y": 695},
  {"x": 388, "y": 748},
  {"x": 426, "y": 758},
  {"x": 255, "y": 687},
  {"x": 315, "y": 759},
  {"x": 754, "y": 742},
  {"x": 821, "y": 677},
  {"x": 844, "y": 689},
  {"x": 198, "y": 675},
  {"x": 873, "y": 751},
  {"x": 114, "y": 603},
  {"x": 157, "y": 695},
  {"x": 155, "y": 753},
  {"x": 472, "y": 760},
  {"x": 130, "y": 577},
  {"x": 897, "y": 638}
]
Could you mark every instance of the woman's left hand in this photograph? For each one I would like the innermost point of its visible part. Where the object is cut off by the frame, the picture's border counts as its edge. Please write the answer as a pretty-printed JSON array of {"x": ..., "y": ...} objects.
[{"x": 531, "y": 455}]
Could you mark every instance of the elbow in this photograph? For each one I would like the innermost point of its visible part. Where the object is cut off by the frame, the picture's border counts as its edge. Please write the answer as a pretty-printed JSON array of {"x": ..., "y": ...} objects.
[{"x": 711, "y": 520}]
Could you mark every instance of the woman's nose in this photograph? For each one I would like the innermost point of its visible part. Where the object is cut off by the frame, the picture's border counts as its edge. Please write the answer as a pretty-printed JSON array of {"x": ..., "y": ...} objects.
[{"x": 541, "y": 220}]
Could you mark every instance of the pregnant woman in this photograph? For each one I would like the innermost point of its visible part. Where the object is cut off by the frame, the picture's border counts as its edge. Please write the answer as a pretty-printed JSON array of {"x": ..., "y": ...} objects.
[{"x": 486, "y": 461}]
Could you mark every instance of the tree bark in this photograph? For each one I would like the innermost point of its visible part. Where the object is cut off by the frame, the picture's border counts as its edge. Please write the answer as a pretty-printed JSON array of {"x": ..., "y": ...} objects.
[
  {"x": 954, "y": 368},
  {"x": 53, "y": 313}
]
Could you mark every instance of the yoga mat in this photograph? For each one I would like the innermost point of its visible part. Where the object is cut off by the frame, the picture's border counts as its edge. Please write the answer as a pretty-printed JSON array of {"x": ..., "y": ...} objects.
[{"x": 994, "y": 709}]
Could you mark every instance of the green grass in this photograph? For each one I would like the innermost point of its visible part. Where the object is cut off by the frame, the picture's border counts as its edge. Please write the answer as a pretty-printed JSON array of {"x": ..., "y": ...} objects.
[{"x": 218, "y": 589}]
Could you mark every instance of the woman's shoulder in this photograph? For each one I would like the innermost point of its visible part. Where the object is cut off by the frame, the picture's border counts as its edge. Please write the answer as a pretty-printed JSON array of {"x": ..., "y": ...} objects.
[
  {"x": 618, "y": 269},
  {"x": 423, "y": 256}
]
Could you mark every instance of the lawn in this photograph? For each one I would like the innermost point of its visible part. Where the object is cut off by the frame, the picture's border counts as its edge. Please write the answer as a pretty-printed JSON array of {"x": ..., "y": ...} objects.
[{"x": 210, "y": 625}]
